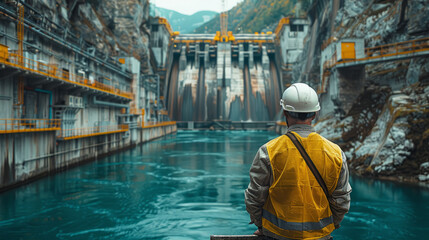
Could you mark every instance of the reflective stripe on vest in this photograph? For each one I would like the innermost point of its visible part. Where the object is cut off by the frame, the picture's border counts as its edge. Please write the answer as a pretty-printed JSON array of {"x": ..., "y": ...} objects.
[
  {"x": 296, "y": 206},
  {"x": 297, "y": 226}
]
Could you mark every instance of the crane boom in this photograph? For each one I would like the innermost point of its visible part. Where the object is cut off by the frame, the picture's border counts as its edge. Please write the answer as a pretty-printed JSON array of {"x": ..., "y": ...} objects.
[{"x": 223, "y": 20}]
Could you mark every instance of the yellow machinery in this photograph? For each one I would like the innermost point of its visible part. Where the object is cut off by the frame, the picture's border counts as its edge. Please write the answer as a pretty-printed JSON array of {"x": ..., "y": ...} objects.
[{"x": 223, "y": 24}]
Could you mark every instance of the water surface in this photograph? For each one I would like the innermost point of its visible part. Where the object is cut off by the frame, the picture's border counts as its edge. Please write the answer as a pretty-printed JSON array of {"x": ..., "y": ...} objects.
[{"x": 185, "y": 186}]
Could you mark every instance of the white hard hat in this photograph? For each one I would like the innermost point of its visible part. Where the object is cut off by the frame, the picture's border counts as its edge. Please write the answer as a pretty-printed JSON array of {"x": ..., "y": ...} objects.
[{"x": 300, "y": 97}]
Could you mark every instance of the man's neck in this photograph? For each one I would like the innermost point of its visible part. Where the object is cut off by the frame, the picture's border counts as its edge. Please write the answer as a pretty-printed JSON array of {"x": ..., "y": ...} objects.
[{"x": 302, "y": 129}]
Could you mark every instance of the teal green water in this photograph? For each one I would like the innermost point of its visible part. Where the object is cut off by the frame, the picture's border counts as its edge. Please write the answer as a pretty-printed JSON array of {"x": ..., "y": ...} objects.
[{"x": 186, "y": 186}]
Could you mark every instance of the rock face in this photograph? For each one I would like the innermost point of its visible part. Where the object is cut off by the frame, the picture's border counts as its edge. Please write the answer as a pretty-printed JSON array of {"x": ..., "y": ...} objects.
[
  {"x": 115, "y": 28},
  {"x": 385, "y": 133}
]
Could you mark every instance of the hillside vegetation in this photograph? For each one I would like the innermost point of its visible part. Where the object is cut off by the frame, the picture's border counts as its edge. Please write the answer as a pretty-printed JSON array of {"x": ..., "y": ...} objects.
[
  {"x": 182, "y": 22},
  {"x": 257, "y": 15}
]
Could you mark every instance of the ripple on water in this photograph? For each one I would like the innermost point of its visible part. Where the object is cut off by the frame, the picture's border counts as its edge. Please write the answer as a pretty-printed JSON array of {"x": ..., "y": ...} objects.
[{"x": 179, "y": 188}]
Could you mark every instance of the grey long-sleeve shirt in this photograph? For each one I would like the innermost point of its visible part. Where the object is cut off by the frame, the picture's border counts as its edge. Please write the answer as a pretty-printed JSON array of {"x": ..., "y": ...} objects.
[{"x": 261, "y": 179}]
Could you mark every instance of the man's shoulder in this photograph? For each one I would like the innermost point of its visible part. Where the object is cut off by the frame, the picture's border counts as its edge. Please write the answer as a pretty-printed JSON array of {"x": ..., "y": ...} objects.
[
  {"x": 329, "y": 143},
  {"x": 276, "y": 140}
]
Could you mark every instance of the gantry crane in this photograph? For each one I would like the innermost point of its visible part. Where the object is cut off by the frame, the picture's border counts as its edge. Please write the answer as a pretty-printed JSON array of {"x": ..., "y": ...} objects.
[{"x": 223, "y": 20}]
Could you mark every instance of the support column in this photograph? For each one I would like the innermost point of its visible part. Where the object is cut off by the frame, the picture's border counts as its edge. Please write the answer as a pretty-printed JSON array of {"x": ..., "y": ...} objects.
[{"x": 344, "y": 86}]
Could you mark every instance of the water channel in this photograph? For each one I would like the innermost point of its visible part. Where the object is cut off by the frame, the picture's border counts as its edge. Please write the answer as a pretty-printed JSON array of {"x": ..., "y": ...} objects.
[{"x": 186, "y": 186}]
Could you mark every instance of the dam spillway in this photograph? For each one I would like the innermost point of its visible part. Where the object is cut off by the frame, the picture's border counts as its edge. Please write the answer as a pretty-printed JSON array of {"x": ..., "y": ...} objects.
[
  {"x": 69, "y": 96},
  {"x": 234, "y": 80}
]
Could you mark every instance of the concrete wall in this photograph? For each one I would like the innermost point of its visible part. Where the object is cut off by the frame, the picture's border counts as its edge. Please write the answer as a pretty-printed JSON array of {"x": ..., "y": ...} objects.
[
  {"x": 292, "y": 39},
  {"x": 160, "y": 39},
  {"x": 6, "y": 98},
  {"x": 28, "y": 156},
  {"x": 344, "y": 85},
  {"x": 239, "y": 82}
]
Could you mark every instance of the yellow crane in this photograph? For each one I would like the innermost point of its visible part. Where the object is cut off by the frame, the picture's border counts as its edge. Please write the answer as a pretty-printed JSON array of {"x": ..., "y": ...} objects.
[
  {"x": 223, "y": 35},
  {"x": 223, "y": 21}
]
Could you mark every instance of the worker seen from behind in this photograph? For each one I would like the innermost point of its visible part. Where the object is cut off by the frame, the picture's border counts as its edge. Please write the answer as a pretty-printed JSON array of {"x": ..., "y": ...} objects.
[{"x": 287, "y": 198}]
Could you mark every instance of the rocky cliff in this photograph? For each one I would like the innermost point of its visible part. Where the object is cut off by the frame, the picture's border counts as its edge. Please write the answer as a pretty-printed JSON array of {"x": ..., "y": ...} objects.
[
  {"x": 385, "y": 133},
  {"x": 115, "y": 28}
]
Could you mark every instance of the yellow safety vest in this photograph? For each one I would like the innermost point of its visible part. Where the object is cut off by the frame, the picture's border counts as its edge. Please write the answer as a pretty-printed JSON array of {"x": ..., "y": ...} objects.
[{"x": 297, "y": 207}]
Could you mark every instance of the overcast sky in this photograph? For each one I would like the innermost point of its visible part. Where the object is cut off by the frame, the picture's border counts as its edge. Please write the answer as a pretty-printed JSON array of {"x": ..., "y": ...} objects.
[{"x": 190, "y": 7}]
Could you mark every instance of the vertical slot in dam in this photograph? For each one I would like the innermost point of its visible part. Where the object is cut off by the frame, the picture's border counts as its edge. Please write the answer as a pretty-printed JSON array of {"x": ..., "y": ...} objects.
[
  {"x": 247, "y": 91},
  {"x": 273, "y": 94},
  {"x": 221, "y": 82},
  {"x": 172, "y": 87},
  {"x": 200, "y": 101}
]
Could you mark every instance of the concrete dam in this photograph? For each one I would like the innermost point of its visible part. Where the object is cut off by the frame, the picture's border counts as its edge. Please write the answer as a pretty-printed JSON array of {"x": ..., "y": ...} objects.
[
  {"x": 235, "y": 80},
  {"x": 69, "y": 97}
]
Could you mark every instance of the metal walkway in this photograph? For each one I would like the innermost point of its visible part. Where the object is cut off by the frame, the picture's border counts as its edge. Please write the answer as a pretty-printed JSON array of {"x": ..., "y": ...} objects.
[
  {"x": 390, "y": 52},
  {"x": 383, "y": 53}
]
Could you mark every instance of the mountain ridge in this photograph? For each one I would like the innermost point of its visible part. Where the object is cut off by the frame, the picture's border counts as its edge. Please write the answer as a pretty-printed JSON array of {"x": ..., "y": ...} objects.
[
  {"x": 180, "y": 22},
  {"x": 251, "y": 16}
]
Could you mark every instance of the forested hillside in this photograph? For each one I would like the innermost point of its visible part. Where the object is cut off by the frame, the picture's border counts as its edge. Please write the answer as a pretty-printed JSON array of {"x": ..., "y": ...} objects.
[
  {"x": 182, "y": 22},
  {"x": 257, "y": 15}
]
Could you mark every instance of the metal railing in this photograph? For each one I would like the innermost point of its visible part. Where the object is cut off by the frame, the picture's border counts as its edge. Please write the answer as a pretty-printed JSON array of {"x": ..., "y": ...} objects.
[
  {"x": 378, "y": 52},
  {"x": 137, "y": 111},
  {"x": 157, "y": 124},
  {"x": 407, "y": 47},
  {"x": 68, "y": 134},
  {"x": 52, "y": 70},
  {"x": 382, "y": 51},
  {"x": 281, "y": 123},
  {"x": 29, "y": 125}
]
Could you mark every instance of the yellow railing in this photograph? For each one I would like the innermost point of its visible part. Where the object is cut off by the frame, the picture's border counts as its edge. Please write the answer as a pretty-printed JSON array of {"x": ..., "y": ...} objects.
[
  {"x": 51, "y": 70},
  {"x": 29, "y": 125},
  {"x": 68, "y": 134},
  {"x": 388, "y": 50},
  {"x": 157, "y": 124},
  {"x": 136, "y": 111},
  {"x": 287, "y": 67},
  {"x": 407, "y": 47},
  {"x": 281, "y": 123}
]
